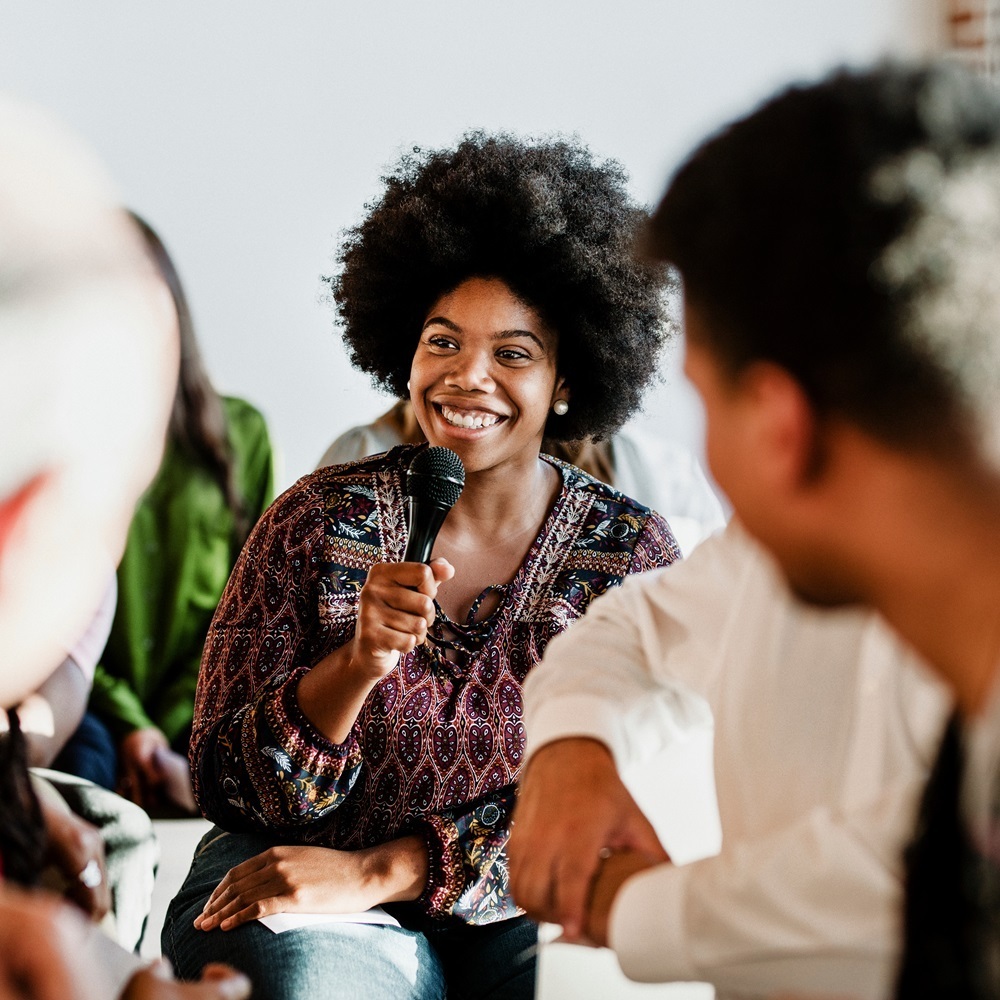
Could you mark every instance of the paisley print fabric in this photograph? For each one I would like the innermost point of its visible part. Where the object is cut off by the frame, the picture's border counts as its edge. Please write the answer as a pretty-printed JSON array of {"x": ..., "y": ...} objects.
[{"x": 437, "y": 746}]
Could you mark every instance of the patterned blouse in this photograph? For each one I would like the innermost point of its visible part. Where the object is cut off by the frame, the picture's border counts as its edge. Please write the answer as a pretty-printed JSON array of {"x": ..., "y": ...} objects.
[{"x": 437, "y": 746}]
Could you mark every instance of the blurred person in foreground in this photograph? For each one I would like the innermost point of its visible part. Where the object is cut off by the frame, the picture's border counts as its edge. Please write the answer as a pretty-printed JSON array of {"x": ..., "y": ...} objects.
[
  {"x": 88, "y": 355},
  {"x": 843, "y": 329},
  {"x": 821, "y": 729}
]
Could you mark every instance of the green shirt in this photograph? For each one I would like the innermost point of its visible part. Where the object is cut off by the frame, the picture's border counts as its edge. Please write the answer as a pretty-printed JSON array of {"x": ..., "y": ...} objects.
[{"x": 179, "y": 555}]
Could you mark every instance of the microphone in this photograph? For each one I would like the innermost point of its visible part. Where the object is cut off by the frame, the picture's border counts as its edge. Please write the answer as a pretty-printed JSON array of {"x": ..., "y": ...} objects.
[{"x": 434, "y": 482}]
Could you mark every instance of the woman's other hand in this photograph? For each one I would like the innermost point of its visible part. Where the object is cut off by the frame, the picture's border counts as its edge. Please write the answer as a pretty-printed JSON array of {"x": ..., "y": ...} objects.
[
  {"x": 394, "y": 613},
  {"x": 316, "y": 880}
]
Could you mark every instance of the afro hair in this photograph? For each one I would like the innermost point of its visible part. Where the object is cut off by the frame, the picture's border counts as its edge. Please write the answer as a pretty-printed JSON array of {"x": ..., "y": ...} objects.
[{"x": 557, "y": 227}]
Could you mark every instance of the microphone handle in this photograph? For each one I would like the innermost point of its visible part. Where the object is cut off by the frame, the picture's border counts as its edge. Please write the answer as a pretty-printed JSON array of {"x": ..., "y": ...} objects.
[{"x": 425, "y": 522}]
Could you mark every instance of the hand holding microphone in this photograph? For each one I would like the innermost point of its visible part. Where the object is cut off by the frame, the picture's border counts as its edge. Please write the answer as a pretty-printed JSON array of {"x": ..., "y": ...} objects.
[
  {"x": 397, "y": 600},
  {"x": 396, "y": 606}
]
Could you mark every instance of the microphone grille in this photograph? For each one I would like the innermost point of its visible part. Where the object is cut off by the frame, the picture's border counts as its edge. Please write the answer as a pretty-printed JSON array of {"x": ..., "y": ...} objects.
[{"x": 436, "y": 475}]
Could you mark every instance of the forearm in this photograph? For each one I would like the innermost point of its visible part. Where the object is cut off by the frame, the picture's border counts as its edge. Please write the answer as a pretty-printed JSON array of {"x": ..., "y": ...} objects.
[
  {"x": 332, "y": 694},
  {"x": 812, "y": 905}
]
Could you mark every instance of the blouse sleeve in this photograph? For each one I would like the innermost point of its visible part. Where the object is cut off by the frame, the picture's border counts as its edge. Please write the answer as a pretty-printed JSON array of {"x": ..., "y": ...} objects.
[
  {"x": 467, "y": 863},
  {"x": 257, "y": 762}
]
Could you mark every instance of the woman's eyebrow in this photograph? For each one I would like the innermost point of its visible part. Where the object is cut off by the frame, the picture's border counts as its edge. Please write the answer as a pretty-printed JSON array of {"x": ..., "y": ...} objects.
[
  {"x": 504, "y": 334},
  {"x": 442, "y": 321}
]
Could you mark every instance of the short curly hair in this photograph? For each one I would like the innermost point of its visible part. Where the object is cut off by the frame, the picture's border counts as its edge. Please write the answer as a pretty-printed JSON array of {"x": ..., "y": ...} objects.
[
  {"x": 548, "y": 220},
  {"x": 849, "y": 230}
]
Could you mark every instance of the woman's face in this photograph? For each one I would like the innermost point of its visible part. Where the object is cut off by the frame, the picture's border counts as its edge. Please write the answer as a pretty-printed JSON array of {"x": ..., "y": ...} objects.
[{"x": 483, "y": 378}]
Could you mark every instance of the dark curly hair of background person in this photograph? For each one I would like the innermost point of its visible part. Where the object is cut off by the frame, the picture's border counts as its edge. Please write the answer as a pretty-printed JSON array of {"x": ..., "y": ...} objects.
[{"x": 557, "y": 227}]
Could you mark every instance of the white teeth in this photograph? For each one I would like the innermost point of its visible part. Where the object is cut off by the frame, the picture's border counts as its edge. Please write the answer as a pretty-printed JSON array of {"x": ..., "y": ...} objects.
[{"x": 459, "y": 419}]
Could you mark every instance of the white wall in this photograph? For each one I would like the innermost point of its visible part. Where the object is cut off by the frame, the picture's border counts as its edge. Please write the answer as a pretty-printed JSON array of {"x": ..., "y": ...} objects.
[{"x": 250, "y": 133}]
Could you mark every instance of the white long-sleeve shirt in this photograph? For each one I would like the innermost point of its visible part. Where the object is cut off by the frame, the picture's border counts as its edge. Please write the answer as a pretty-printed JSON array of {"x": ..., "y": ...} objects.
[{"x": 824, "y": 725}]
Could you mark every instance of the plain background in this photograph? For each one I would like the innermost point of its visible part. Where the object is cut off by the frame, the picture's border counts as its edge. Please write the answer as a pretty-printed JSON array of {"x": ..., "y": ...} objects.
[{"x": 250, "y": 134}]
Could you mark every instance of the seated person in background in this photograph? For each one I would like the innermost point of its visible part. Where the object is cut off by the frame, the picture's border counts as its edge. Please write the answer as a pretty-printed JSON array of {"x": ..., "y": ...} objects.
[
  {"x": 824, "y": 728},
  {"x": 843, "y": 329},
  {"x": 370, "y": 708},
  {"x": 215, "y": 480},
  {"x": 88, "y": 354},
  {"x": 659, "y": 474}
]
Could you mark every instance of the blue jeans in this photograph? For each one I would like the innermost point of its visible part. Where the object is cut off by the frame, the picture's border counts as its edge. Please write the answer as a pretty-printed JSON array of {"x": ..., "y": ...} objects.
[
  {"x": 91, "y": 753},
  {"x": 421, "y": 960}
]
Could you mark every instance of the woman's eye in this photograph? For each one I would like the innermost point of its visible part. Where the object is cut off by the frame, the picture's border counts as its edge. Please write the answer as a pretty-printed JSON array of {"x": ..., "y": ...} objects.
[
  {"x": 510, "y": 354},
  {"x": 446, "y": 343}
]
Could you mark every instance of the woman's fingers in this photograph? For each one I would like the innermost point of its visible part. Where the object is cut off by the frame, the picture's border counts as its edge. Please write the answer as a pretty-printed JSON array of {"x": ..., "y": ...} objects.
[
  {"x": 249, "y": 872},
  {"x": 394, "y": 614},
  {"x": 254, "y": 889},
  {"x": 399, "y": 622},
  {"x": 399, "y": 601},
  {"x": 250, "y": 903},
  {"x": 416, "y": 577}
]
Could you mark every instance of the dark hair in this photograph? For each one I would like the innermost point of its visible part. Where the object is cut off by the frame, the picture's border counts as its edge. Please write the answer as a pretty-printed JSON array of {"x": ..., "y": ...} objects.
[
  {"x": 820, "y": 232},
  {"x": 197, "y": 421},
  {"x": 23, "y": 839},
  {"x": 542, "y": 216}
]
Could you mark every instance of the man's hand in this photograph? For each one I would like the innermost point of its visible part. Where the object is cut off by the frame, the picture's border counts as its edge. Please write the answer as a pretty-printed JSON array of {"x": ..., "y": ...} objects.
[
  {"x": 572, "y": 805},
  {"x": 316, "y": 880},
  {"x": 218, "y": 982}
]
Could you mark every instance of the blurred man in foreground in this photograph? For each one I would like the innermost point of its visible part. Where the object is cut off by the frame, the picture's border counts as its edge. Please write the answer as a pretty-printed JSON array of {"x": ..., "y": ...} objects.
[{"x": 840, "y": 250}]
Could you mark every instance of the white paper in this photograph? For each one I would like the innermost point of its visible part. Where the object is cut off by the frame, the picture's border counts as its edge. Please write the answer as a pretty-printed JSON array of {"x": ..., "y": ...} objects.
[{"x": 281, "y": 922}]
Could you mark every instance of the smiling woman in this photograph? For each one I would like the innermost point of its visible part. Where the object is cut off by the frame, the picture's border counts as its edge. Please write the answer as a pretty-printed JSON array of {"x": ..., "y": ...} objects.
[{"x": 358, "y": 720}]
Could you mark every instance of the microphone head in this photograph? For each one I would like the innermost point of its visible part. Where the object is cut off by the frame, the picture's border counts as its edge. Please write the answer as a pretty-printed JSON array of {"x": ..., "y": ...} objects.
[{"x": 436, "y": 476}]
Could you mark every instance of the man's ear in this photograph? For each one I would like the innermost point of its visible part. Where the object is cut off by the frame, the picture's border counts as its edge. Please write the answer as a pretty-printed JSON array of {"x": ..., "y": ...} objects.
[
  {"x": 14, "y": 506},
  {"x": 788, "y": 432}
]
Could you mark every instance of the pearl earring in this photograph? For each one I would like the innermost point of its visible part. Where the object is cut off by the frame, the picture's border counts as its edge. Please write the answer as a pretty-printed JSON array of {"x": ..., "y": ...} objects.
[
  {"x": 407, "y": 385},
  {"x": 560, "y": 407}
]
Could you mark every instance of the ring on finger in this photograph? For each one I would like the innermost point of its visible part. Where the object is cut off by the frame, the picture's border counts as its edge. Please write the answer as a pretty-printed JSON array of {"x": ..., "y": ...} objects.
[{"x": 91, "y": 875}]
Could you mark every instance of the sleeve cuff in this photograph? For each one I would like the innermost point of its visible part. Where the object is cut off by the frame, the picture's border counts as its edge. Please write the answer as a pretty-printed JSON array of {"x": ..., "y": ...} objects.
[
  {"x": 444, "y": 867},
  {"x": 577, "y": 715},
  {"x": 646, "y": 929},
  {"x": 301, "y": 740}
]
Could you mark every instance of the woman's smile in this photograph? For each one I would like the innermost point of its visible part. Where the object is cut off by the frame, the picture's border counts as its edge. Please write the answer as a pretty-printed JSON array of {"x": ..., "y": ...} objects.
[{"x": 468, "y": 417}]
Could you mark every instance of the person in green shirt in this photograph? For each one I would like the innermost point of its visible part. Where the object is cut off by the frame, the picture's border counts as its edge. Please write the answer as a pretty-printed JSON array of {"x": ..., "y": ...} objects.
[{"x": 216, "y": 478}]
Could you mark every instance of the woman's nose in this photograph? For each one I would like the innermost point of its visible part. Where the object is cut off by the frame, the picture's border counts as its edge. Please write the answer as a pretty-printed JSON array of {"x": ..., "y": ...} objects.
[{"x": 471, "y": 371}]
